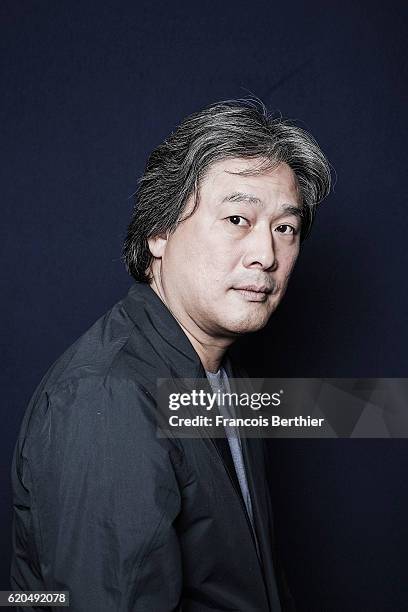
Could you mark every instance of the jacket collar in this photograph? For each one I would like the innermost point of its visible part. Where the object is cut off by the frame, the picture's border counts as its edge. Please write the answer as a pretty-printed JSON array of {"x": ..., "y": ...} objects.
[{"x": 159, "y": 327}]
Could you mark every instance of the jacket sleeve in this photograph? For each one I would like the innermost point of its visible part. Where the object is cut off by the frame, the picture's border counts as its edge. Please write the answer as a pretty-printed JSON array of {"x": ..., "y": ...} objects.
[{"x": 96, "y": 494}]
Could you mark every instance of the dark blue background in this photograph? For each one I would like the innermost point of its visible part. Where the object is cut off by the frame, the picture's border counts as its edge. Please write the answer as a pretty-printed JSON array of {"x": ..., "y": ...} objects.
[{"x": 88, "y": 89}]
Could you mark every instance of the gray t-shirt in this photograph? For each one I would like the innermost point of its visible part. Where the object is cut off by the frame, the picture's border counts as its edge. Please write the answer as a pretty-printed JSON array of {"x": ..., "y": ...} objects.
[{"x": 219, "y": 382}]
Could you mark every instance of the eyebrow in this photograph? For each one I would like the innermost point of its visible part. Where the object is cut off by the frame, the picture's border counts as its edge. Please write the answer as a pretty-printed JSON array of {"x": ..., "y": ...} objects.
[{"x": 239, "y": 196}]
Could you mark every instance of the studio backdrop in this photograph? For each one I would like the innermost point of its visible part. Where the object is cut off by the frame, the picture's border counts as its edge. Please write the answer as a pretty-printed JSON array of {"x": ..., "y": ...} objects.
[{"x": 88, "y": 90}]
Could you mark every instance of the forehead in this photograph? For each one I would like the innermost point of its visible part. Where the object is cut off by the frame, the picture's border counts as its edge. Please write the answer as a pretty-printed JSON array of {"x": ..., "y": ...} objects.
[{"x": 240, "y": 172}]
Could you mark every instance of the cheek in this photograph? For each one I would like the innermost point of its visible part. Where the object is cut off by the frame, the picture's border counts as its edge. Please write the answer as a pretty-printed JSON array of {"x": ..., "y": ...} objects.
[
  {"x": 218, "y": 257},
  {"x": 184, "y": 251},
  {"x": 202, "y": 254},
  {"x": 221, "y": 263}
]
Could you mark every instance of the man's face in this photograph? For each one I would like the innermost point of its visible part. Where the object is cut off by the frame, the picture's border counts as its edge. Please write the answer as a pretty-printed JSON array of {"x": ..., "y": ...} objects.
[{"x": 226, "y": 267}]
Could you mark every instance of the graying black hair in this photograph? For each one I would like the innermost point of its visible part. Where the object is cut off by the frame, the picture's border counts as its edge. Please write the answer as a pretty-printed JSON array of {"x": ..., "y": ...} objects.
[{"x": 233, "y": 128}]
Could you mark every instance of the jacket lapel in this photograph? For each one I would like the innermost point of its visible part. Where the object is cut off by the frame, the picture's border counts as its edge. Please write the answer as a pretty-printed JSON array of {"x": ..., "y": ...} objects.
[
  {"x": 254, "y": 459},
  {"x": 155, "y": 321},
  {"x": 253, "y": 450}
]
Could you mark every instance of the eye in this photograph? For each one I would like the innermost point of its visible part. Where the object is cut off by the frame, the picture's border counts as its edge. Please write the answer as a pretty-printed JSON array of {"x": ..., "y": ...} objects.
[
  {"x": 237, "y": 220},
  {"x": 286, "y": 229}
]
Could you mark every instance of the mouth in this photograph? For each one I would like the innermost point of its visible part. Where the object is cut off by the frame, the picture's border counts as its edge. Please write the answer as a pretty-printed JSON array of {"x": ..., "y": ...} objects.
[{"x": 254, "y": 293}]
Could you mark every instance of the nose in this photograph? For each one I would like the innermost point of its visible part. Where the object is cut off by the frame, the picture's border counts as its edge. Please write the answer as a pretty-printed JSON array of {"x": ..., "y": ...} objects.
[{"x": 260, "y": 250}]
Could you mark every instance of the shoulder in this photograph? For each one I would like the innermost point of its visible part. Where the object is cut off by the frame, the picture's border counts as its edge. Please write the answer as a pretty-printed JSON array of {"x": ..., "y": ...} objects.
[
  {"x": 97, "y": 401},
  {"x": 88, "y": 411},
  {"x": 95, "y": 353},
  {"x": 97, "y": 363}
]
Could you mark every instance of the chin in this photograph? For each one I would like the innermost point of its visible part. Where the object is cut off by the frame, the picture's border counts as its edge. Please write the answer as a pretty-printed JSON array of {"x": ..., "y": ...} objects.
[{"x": 246, "y": 325}]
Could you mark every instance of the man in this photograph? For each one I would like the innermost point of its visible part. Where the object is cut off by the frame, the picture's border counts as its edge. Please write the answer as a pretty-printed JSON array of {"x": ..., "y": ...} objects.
[{"x": 105, "y": 508}]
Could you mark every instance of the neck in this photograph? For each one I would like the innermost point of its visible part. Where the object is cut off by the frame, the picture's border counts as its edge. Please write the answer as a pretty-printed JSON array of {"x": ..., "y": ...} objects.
[
  {"x": 210, "y": 355},
  {"x": 210, "y": 350}
]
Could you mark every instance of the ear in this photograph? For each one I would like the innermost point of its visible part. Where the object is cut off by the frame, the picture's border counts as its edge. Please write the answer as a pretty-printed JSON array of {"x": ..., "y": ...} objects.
[{"x": 157, "y": 245}]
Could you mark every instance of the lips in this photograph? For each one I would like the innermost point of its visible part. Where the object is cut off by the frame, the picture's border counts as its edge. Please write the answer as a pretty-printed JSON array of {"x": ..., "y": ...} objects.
[
  {"x": 254, "y": 293},
  {"x": 255, "y": 288}
]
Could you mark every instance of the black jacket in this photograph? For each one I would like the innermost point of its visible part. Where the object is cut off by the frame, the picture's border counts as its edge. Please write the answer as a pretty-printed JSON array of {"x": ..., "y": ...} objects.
[{"x": 121, "y": 518}]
